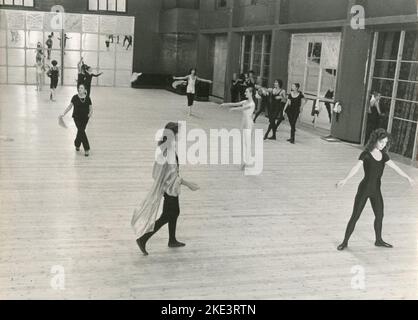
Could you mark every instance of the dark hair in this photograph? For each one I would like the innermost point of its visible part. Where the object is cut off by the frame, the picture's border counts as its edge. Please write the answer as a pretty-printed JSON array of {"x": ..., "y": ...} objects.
[
  {"x": 251, "y": 71},
  {"x": 173, "y": 127},
  {"x": 297, "y": 85},
  {"x": 375, "y": 136},
  {"x": 242, "y": 76},
  {"x": 191, "y": 69},
  {"x": 81, "y": 84},
  {"x": 54, "y": 62},
  {"x": 280, "y": 82}
]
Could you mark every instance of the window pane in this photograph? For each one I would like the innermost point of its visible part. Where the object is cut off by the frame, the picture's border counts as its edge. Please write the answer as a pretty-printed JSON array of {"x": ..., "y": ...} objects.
[
  {"x": 388, "y": 45},
  {"x": 258, "y": 41},
  {"x": 247, "y": 45},
  {"x": 267, "y": 43},
  {"x": 102, "y": 4},
  {"x": 409, "y": 71},
  {"x": 8, "y": 2},
  {"x": 410, "y": 49},
  {"x": 92, "y": 4},
  {"x": 257, "y": 58},
  {"x": 121, "y": 5},
  {"x": 406, "y": 110},
  {"x": 403, "y": 135},
  {"x": 18, "y": 2},
  {"x": 384, "y": 69},
  {"x": 407, "y": 91},
  {"x": 111, "y": 5},
  {"x": 312, "y": 80},
  {"x": 29, "y": 3},
  {"x": 384, "y": 87}
]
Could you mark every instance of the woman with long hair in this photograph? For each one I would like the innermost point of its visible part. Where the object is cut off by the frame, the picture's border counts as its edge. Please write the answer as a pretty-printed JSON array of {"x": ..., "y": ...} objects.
[
  {"x": 373, "y": 159},
  {"x": 82, "y": 112},
  {"x": 191, "y": 79},
  {"x": 247, "y": 107},
  {"x": 275, "y": 112},
  {"x": 167, "y": 183}
]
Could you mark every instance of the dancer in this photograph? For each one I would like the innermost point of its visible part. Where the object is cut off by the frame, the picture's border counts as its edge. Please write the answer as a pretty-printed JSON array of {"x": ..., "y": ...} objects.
[
  {"x": 329, "y": 95},
  {"x": 247, "y": 107},
  {"x": 167, "y": 183},
  {"x": 192, "y": 78},
  {"x": 49, "y": 44},
  {"x": 235, "y": 88},
  {"x": 275, "y": 113},
  {"x": 374, "y": 113},
  {"x": 293, "y": 108},
  {"x": 82, "y": 112},
  {"x": 263, "y": 98},
  {"x": 242, "y": 86},
  {"x": 373, "y": 160},
  {"x": 81, "y": 72},
  {"x": 40, "y": 68},
  {"x": 130, "y": 38},
  {"x": 53, "y": 73},
  {"x": 88, "y": 76},
  {"x": 39, "y": 53}
]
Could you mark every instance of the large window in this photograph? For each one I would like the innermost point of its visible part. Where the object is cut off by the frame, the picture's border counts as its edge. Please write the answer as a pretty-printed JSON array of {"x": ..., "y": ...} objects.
[
  {"x": 313, "y": 63},
  {"x": 25, "y": 3},
  {"x": 107, "y": 5},
  {"x": 255, "y": 54},
  {"x": 394, "y": 74}
]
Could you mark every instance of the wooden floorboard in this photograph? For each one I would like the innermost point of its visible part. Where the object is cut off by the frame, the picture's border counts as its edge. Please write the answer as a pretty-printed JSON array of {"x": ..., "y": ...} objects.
[{"x": 271, "y": 236}]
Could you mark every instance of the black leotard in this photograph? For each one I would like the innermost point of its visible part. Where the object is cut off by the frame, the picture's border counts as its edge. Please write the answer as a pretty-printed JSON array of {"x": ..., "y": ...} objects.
[{"x": 373, "y": 171}]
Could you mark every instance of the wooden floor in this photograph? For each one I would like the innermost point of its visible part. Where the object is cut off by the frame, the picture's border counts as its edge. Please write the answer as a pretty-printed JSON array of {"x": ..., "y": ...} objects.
[{"x": 272, "y": 236}]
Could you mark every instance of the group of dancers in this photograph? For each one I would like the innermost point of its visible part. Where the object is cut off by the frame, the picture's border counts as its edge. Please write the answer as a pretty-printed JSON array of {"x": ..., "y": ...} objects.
[
  {"x": 275, "y": 101},
  {"x": 146, "y": 220}
]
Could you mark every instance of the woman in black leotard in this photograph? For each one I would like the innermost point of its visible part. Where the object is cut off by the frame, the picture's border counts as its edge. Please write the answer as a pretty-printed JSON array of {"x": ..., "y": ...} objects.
[
  {"x": 293, "y": 107},
  {"x": 373, "y": 160},
  {"x": 275, "y": 112}
]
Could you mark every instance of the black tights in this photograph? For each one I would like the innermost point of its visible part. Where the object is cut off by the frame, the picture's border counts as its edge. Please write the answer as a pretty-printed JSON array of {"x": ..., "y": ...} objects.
[
  {"x": 376, "y": 201},
  {"x": 171, "y": 211}
]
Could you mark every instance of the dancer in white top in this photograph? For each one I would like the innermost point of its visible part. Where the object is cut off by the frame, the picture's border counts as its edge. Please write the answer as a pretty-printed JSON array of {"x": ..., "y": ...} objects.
[
  {"x": 192, "y": 78},
  {"x": 247, "y": 107}
]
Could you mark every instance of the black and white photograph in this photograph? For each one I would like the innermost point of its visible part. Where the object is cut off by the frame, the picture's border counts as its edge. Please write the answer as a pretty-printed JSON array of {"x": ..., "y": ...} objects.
[{"x": 208, "y": 150}]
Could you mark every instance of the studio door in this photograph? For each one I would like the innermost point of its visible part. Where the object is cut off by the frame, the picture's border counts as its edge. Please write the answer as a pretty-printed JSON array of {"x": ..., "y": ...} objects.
[{"x": 219, "y": 66}]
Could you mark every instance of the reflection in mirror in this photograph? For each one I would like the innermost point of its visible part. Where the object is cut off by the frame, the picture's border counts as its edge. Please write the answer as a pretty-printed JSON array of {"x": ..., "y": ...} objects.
[
  {"x": 30, "y": 75},
  {"x": 70, "y": 41},
  {"x": 16, "y": 57},
  {"x": 106, "y": 60},
  {"x": 89, "y": 41},
  {"x": 51, "y": 39},
  {"x": 90, "y": 58},
  {"x": 123, "y": 78},
  {"x": 16, "y": 75},
  {"x": 124, "y": 60},
  {"x": 16, "y": 38},
  {"x": 108, "y": 42},
  {"x": 107, "y": 78},
  {"x": 126, "y": 42},
  {"x": 3, "y": 56},
  {"x": 71, "y": 59},
  {"x": 3, "y": 74},
  {"x": 70, "y": 76},
  {"x": 329, "y": 77},
  {"x": 2, "y": 38},
  {"x": 33, "y": 38}
]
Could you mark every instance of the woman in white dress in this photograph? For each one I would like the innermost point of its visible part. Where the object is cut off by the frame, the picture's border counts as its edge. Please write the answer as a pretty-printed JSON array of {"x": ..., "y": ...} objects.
[
  {"x": 191, "y": 79},
  {"x": 167, "y": 183},
  {"x": 247, "y": 107}
]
